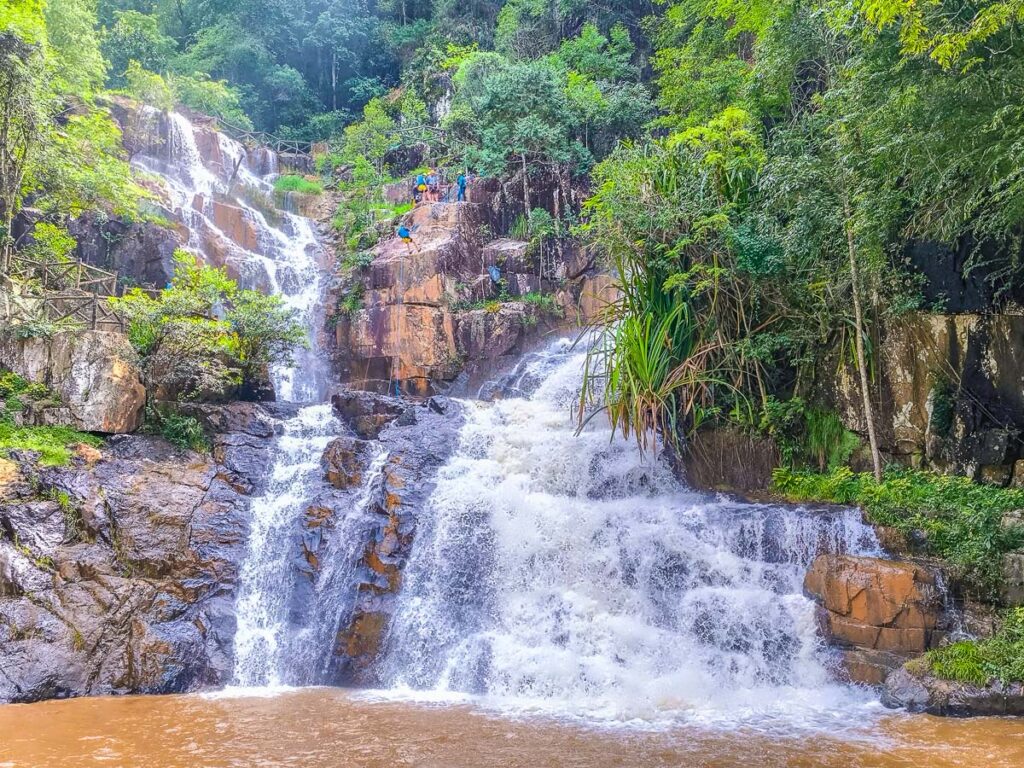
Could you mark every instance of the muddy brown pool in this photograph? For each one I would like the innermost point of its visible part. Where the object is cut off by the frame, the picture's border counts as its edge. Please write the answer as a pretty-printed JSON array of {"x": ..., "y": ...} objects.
[{"x": 327, "y": 727}]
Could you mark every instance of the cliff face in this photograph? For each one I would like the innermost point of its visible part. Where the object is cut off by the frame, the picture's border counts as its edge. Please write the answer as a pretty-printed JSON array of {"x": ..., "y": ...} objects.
[
  {"x": 458, "y": 302},
  {"x": 949, "y": 394},
  {"x": 93, "y": 373},
  {"x": 118, "y": 573}
]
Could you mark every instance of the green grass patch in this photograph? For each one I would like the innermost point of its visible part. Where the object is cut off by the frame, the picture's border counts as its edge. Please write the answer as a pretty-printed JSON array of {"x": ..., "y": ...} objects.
[
  {"x": 51, "y": 443},
  {"x": 960, "y": 519},
  {"x": 1000, "y": 657},
  {"x": 184, "y": 432},
  {"x": 295, "y": 183},
  {"x": 545, "y": 302}
]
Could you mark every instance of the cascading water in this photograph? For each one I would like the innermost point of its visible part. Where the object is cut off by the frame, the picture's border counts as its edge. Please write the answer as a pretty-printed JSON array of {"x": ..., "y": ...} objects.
[
  {"x": 564, "y": 573},
  {"x": 262, "y": 608},
  {"x": 222, "y": 192}
]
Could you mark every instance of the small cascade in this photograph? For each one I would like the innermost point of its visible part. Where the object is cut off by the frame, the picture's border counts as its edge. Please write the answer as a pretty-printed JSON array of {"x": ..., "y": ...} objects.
[
  {"x": 223, "y": 194},
  {"x": 263, "y": 601},
  {"x": 563, "y": 573}
]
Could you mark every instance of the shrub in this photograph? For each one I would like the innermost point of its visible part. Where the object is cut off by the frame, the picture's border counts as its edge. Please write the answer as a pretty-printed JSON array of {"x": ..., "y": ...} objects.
[
  {"x": 183, "y": 431},
  {"x": 203, "y": 334},
  {"x": 961, "y": 520},
  {"x": 294, "y": 183},
  {"x": 1000, "y": 657},
  {"x": 545, "y": 302}
]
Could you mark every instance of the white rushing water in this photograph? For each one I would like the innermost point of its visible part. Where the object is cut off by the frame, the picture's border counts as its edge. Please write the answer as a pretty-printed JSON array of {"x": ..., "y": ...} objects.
[
  {"x": 565, "y": 574},
  {"x": 261, "y": 640},
  {"x": 223, "y": 194}
]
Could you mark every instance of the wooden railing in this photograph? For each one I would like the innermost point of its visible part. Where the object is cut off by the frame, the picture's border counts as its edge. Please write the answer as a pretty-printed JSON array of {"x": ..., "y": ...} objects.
[
  {"x": 65, "y": 275},
  {"x": 70, "y": 292},
  {"x": 91, "y": 310},
  {"x": 263, "y": 139}
]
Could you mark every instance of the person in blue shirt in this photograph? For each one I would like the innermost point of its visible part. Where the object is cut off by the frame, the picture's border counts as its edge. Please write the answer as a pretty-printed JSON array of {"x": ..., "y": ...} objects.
[
  {"x": 461, "y": 181},
  {"x": 406, "y": 236}
]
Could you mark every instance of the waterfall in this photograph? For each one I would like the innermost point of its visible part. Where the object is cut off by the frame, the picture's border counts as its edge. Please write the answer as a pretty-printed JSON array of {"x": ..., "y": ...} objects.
[
  {"x": 262, "y": 607},
  {"x": 566, "y": 574},
  {"x": 222, "y": 192}
]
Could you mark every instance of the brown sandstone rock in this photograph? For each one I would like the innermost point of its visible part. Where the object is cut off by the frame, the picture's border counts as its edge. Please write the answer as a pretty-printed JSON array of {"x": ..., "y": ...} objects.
[
  {"x": 595, "y": 296},
  {"x": 345, "y": 460},
  {"x": 875, "y": 604},
  {"x": 235, "y": 223}
]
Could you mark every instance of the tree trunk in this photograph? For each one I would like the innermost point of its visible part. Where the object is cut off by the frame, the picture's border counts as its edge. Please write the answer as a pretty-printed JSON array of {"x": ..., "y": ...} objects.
[
  {"x": 334, "y": 79},
  {"x": 858, "y": 316},
  {"x": 526, "y": 189}
]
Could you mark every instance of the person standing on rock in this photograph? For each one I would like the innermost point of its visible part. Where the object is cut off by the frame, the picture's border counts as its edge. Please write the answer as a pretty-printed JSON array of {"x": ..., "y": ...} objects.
[
  {"x": 420, "y": 189},
  {"x": 461, "y": 181},
  {"x": 432, "y": 185}
]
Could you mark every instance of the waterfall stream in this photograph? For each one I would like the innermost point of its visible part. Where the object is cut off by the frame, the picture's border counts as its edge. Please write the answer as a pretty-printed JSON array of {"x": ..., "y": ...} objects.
[
  {"x": 566, "y": 574},
  {"x": 223, "y": 194},
  {"x": 550, "y": 571}
]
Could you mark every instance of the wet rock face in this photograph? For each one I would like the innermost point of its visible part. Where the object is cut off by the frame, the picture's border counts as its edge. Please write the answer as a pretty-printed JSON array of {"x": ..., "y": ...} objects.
[
  {"x": 94, "y": 373},
  {"x": 345, "y": 462},
  {"x": 117, "y": 574},
  {"x": 142, "y": 251},
  {"x": 416, "y": 444},
  {"x": 366, "y": 413},
  {"x": 880, "y": 611},
  {"x": 421, "y": 323},
  {"x": 917, "y": 691}
]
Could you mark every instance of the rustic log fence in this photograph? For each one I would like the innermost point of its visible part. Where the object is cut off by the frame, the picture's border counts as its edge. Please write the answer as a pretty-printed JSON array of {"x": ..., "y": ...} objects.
[
  {"x": 69, "y": 292},
  {"x": 262, "y": 139},
  {"x": 65, "y": 275}
]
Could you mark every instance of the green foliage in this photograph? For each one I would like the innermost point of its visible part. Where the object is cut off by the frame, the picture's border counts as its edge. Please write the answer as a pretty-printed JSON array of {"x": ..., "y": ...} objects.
[
  {"x": 978, "y": 662},
  {"x": 294, "y": 183},
  {"x": 51, "y": 443},
  {"x": 961, "y": 519},
  {"x": 180, "y": 430},
  {"x": 135, "y": 40},
  {"x": 17, "y": 394},
  {"x": 203, "y": 334},
  {"x": 828, "y": 442},
  {"x": 148, "y": 87},
  {"x": 545, "y": 302},
  {"x": 51, "y": 242},
  {"x": 352, "y": 300},
  {"x": 212, "y": 97}
]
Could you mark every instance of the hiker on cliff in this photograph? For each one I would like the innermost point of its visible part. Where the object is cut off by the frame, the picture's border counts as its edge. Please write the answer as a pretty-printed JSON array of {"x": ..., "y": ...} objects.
[
  {"x": 432, "y": 185},
  {"x": 419, "y": 188},
  {"x": 406, "y": 236},
  {"x": 461, "y": 181}
]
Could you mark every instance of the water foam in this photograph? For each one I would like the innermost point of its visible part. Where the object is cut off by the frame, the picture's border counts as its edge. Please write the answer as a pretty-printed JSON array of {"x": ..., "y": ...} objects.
[{"x": 565, "y": 574}]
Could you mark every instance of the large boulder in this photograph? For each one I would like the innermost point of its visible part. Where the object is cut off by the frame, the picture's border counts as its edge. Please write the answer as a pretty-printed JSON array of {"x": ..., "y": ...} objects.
[
  {"x": 875, "y": 604},
  {"x": 95, "y": 374},
  {"x": 879, "y": 612}
]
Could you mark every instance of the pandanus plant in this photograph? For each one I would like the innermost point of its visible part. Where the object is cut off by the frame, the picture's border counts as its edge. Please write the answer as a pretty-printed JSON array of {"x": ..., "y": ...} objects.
[{"x": 650, "y": 367}]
